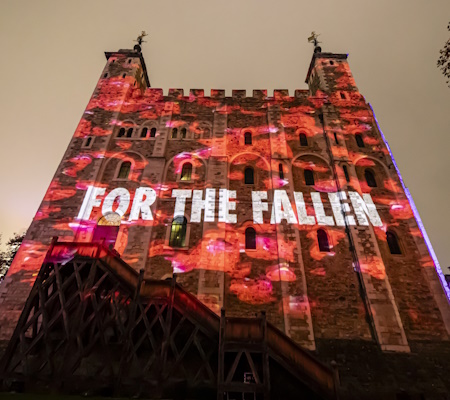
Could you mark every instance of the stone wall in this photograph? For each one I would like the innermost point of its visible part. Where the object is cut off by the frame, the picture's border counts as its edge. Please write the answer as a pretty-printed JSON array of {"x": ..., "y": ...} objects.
[{"x": 355, "y": 298}]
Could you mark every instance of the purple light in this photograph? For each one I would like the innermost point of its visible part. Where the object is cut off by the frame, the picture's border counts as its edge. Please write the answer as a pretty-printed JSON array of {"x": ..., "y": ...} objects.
[{"x": 416, "y": 215}]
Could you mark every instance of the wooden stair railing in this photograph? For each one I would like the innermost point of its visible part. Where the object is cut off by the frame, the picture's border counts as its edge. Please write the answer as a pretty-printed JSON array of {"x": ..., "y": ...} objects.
[{"x": 242, "y": 335}]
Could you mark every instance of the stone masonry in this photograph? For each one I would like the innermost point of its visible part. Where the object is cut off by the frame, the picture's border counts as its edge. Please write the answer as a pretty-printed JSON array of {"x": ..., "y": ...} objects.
[{"x": 354, "y": 301}]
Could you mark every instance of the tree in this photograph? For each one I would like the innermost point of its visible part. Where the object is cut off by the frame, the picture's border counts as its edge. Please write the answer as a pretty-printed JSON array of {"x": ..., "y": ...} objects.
[
  {"x": 443, "y": 62},
  {"x": 7, "y": 256}
]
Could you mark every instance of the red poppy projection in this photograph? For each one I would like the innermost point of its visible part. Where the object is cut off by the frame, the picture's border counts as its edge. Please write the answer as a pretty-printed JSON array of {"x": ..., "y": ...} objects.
[{"x": 278, "y": 203}]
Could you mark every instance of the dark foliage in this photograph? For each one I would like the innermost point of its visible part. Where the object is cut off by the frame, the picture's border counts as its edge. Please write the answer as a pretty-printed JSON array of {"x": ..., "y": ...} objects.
[
  {"x": 443, "y": 62},
  {"x": 7, "y": 256}
]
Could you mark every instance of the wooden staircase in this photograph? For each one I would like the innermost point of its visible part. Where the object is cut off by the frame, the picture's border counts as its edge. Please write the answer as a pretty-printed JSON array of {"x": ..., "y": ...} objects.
[{"x": 93, "y": 325}]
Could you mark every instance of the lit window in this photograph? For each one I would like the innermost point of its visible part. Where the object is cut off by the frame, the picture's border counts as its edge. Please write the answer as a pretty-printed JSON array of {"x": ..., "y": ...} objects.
[
  {"x": 183, "y": 133},
  {"x": 124, "y": 170},
  {"x": 322, "y": 239},
  {"x": 392, "y": 241},
  {"x": 309, "y": 177},
  {"x": 174, "y": 133},
  {"x": 186, "y": 172},
  {"x": 250, "y": 239},
  {"x": 144, "y": 132},
  {"x": 248, "y": 138},
  {"x": 280, "y": 171},
  {"x": 153, "y": 132},
  {"x": 249, "y": 177},
  {"x": 178, "y": 232},
  {"x": 107, "y": 229},
  {"x": 359, "y": 140},
  {"x": 129, "y": 132},
  {"x": 347, "y": 177},
  {"x": 370, "y": 178},
  {"x": 121, "y": 132},
  {"x": 303, "y": 140}
]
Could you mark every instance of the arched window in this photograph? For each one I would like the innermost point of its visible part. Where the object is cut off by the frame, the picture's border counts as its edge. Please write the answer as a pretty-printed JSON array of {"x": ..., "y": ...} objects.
[
  {"x": 129, "y": 132},
  {"x": 144, "y": 132},
  {"x": 183, "y": 133},
  {"x": 124, "y": 170},
  {"x": 309, "y": 177},
  {"x": 121, "y": 132},
  {"x": 186, "y": 172},
  {"x": 250, "y": 239},
  {"x": 107, "y": 229},
  {"x": 206, "y": 133},
  {"x": 248, "y": 138},
  {"x": 280, "y": 171},
  {"x": 359, "y": 140},
  {"x": 392, "y": 241},
  {"x": 335, "y": 138},
  {"x": 322, "y": 239},
  {"x": 370, "y": 178},
  {"x": 303, "y": 140},
  {"x": 249, "y": 177},
  {"x": 174, "y": 133},
  {"x": 153, "y": 132},
  {"x": 347, "y": 177},
  {"x": 178, "y": 232}
]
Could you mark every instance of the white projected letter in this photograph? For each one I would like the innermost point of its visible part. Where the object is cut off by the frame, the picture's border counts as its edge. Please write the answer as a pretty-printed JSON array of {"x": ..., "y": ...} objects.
[
  {"x": 142, "y": 206},
  {"x": 90, "y": 201},
  {"x": 258, "y": 206},
  {"x": 339, "y": 209},
  {"x": 124, "y": 201},
  {"x": 281, "y": 208},
  {"x": 180, "y": 204},
  {"x": 225, "y": 206},
  {"x": 303, "y": 218},
  {"x": 363, "y": 208},
  {"x": 208, "y": 205},
  {"x": 322, "y": 219}
]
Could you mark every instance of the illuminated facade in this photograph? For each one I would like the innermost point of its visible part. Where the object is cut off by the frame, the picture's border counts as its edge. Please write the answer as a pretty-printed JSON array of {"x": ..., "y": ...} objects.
[{"x": 288, "y": 204}]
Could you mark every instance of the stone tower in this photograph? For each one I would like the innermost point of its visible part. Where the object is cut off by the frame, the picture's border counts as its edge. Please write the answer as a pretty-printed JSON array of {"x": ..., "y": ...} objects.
[{"x": 288, "y": 205}]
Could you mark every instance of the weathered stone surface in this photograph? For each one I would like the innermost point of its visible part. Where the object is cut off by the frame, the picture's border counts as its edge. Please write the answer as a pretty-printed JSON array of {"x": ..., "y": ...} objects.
[{"x": 382, "y": 317}]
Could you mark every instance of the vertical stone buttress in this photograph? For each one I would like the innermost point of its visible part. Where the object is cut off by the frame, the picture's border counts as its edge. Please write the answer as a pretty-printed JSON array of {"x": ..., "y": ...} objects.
[
  {"x": 212, "y": 264},
  {"x": 296, "y": 308},
  {"x": 384, "y": 315},
  {"x": 156, "y": 166},
  {"x": 368, "y": 262}
]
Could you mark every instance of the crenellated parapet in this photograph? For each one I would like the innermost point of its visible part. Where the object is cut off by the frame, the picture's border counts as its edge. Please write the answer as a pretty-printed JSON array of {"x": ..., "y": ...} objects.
[{"x": 238, "y": 94}]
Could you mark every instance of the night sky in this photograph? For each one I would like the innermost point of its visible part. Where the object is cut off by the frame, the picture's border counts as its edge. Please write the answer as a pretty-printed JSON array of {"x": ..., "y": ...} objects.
[{"x": 53, "y": 55}]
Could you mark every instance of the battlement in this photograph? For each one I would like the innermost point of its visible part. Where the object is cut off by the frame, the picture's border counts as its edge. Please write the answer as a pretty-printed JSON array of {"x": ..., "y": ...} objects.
[{"x": 257, "y": 94}]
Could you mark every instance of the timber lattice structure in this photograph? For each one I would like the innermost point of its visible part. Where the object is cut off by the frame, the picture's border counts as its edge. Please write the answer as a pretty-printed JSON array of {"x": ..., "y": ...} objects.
[{"x": 93, "y": 325}]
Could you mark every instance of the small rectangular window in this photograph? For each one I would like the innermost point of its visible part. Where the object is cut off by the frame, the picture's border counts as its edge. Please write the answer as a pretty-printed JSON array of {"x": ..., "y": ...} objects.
[
  {"x": 335, "y": 138},
  {"x": 87, "y": 142}
]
